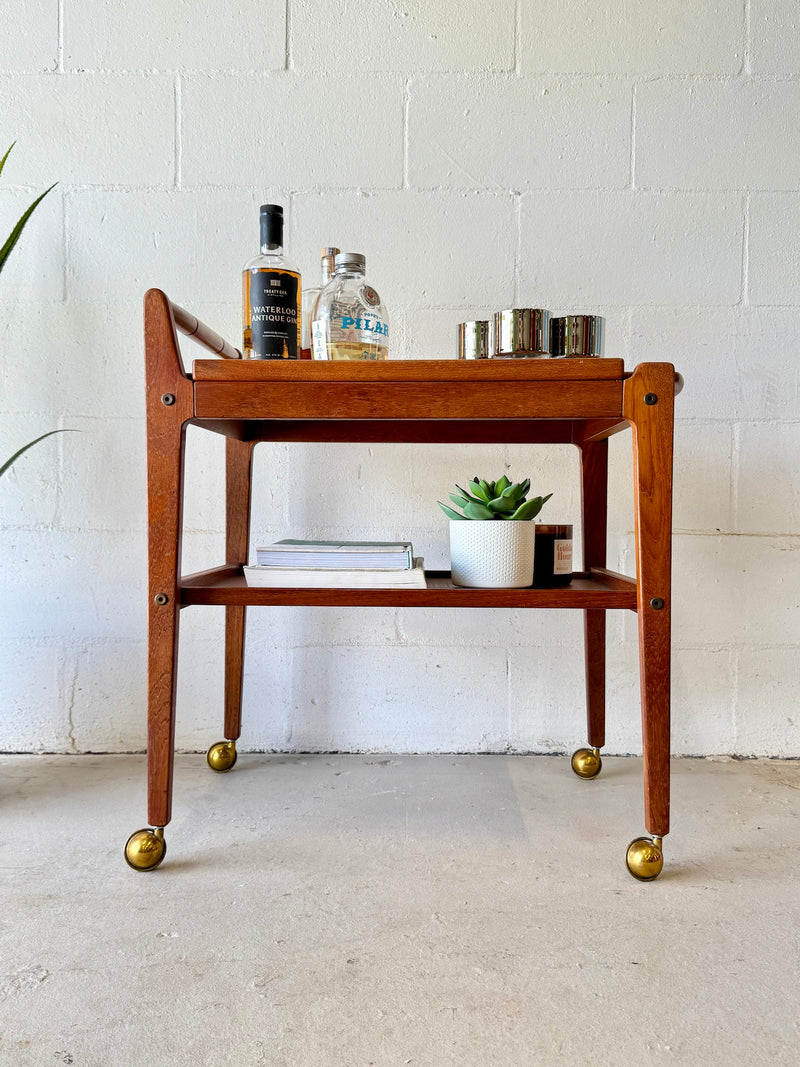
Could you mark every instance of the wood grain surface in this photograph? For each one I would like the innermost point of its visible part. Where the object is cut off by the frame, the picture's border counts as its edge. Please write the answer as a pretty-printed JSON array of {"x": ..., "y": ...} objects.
[{"x": 448, "y": 401}]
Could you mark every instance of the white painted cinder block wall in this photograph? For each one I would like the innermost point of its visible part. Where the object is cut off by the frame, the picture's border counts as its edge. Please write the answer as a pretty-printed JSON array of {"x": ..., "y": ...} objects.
[{"x": 637, "y": 160}]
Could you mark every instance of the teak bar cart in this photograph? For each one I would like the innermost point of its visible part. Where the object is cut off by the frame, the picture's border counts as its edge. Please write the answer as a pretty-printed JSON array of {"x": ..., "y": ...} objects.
[{"x": 533, "y": 401}]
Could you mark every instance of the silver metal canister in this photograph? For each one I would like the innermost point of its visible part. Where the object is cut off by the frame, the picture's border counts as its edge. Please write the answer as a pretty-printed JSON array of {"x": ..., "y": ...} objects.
[
  {"x": 577, "y": 336},
  {"x": 521, "y": 332},
  {"x": 473, "y": 340}
]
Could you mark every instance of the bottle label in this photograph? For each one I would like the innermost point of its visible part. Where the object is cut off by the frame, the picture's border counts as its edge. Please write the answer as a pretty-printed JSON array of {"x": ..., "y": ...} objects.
[
  {"x": 359, "y": 327},
  {"x": 319, "y": 348},
  {"x": 351, "y": 337},
  {"x": 562, "y": 557},
  {"x": 274, "y": 310}
]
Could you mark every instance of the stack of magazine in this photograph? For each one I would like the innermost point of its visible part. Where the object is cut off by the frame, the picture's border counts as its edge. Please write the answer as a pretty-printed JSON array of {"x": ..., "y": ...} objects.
[{"x": 292, "y": 564}]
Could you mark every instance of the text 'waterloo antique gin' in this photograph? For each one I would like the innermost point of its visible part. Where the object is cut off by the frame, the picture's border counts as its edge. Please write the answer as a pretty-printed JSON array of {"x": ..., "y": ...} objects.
[{"x": 271, "y": 295}]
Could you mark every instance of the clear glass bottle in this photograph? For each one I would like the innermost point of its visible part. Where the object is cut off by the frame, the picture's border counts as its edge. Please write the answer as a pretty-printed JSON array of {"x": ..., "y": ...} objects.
[
  {"x": 350, "y": 321},
  {"x": 327, "y": 256},
  {"x": 271, "y": 296}
]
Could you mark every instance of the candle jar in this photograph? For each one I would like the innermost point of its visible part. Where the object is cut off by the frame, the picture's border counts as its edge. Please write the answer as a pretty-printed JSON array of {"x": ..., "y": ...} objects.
[
  {"x": 520, "y": 333},
  {"x": 577, "y": 336},
  {"x": 473, "y": 339},
  {"x": 552, "y": 557}
]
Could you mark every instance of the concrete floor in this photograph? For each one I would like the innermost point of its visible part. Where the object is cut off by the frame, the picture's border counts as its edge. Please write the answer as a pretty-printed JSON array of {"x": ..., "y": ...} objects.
[{"x": 329, "y": 911}]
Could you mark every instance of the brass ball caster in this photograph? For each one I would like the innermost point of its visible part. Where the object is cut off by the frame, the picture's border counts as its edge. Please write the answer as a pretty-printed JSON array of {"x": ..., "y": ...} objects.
[
  {"x": 145, "y": 849},
  {"x": 586, "y": 762},
  {"x": 645, "y": 858},
  {"x": 221, "y": 756}
]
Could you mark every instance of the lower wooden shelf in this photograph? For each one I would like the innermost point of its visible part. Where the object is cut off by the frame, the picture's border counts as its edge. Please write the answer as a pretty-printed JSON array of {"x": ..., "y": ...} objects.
[{"x": 599, "y": 588}]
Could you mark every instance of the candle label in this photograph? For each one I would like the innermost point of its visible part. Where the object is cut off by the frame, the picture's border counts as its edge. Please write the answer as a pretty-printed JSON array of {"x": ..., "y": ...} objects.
[{"x": 562, "y": 557}]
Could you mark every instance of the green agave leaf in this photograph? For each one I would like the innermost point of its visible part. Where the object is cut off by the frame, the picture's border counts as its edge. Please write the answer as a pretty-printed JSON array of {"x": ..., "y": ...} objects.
[
  {"x": 501, "y": 485},
  {"x": 460, "y": 501},
  {"x": 478, "y": 511},
  {"x": 513, "y": 492},
  {"x": 502, "y": 504},
  {"x": 465, "y": 494},
  {"x": 14, "y": 236},
  {"x": 30, "y": 444},
  {"x": 478, "y": 490},
  {"x": 524, "y": 487},
  {"x": 530, "y": 508},
  {"x": 487, "y": 487},
  {"x": 449, "y": 511}
]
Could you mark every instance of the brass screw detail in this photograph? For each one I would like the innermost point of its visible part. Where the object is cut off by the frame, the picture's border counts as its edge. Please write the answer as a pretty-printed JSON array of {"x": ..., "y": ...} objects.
[
  {"x": 161, "y": 599},
  {"x": 650, "y": 399},
  {"x": 168, "y": 399}
]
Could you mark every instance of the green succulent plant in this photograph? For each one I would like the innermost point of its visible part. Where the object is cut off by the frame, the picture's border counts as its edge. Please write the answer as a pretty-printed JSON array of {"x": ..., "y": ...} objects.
[
  {"x": 5, "y": 252},
  {"x": 502, "y": 499}
]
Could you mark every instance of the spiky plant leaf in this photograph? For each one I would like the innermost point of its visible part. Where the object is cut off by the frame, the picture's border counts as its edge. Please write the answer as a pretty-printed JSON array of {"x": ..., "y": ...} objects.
[
  {"x": 502, "y": 505},
  {"x": 30, "y": 444},
  {"x": 531, "y": 508},
  {"x": 466, "y": 495},
  {"x": 478, "y": 511},
  {"x": 478, "y": 490},
  {"x": 14, "y": 236},
  {"x": 501, "y": 485},
  {"x": 449, "y": 511},
  {"x": 5, "y": 157}
]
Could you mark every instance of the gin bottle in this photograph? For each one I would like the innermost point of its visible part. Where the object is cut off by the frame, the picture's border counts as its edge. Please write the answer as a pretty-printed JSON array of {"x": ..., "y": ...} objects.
[
  {"x": 350, "y": 321},
  {"x": 271, "y": 297},
  {"x": 310, "y": 297}
]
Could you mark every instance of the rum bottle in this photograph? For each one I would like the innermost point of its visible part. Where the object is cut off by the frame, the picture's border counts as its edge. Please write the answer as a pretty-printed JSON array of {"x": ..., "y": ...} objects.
[{"x": 350, "y": 321}]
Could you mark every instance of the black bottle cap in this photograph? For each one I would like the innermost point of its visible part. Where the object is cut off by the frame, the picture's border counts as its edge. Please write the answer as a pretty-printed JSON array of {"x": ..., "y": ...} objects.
[{"x": 271, "y": 220}]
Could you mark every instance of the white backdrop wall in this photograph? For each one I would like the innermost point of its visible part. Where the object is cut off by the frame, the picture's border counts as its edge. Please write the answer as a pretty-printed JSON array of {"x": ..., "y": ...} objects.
[{"x": 641, "y": 161}]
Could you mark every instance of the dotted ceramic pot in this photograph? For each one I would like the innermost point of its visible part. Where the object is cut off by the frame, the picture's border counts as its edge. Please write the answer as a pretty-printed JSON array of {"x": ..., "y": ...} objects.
[{"x": 491, "y": 553}]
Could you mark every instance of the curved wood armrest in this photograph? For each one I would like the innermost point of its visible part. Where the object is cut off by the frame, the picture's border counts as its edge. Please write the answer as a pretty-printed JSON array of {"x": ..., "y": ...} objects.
[{"x": 191, "y": 326}]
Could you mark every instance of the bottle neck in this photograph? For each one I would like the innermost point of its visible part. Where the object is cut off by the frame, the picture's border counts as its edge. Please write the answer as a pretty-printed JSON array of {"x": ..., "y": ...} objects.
[
  {"x": 269, "y": 249},
  {"x": 271, "y": 234},
  {"x": 328, "y": 263}
]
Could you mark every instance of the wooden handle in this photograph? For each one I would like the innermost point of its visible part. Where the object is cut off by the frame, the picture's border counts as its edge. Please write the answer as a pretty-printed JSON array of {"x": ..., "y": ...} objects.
[{"x": 193, "y": 327}]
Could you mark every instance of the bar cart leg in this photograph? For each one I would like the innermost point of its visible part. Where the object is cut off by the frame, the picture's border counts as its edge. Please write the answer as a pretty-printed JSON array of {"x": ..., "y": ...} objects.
[
  {"x": 648, "y": 404},
  {"x": 586, "y": 762},
  {"x": 169, "y": 406},
  {"x": 239, "y": 467}
]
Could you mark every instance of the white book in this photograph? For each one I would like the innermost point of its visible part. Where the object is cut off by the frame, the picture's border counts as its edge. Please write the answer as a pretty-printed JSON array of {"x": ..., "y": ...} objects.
[
  {"x": 324, "y": 578},
  {"x": 338, "y": 555}
]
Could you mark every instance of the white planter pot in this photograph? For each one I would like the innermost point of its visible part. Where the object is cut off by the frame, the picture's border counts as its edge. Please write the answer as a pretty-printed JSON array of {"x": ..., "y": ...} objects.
[{"x": 491, "y": 553}]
